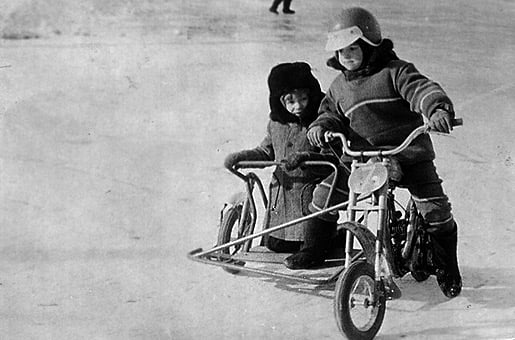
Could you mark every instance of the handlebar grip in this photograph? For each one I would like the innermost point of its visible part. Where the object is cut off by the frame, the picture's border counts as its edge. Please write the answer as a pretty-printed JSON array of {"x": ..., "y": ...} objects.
[{"x": 457, "y": 122}]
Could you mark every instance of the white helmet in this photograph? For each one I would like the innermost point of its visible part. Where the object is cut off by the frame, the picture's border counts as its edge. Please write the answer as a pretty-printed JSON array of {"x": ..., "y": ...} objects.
[{"x": 353, "y": 24}]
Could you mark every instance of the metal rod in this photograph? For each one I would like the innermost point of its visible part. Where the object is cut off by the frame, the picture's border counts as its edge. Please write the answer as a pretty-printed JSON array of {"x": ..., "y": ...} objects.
[
  {"x": 276, "y": 228},
  {"x": 379, "y": 234},
  {"x": 193, "y": 256},
  {"x": 297, "y": 278}
]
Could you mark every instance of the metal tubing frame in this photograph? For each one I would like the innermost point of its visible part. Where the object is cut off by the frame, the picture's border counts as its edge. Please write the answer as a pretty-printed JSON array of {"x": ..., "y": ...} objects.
[
  {"x": 252, "y": 178},
  {"x": 194, "y": 255},
  {"x": 206, "y": 257},
  {"x": 272, "y": 229},
  {"x": 380, "y": 230},
  {"x": 351, "y": 214},
  {"x": 201, "y": 256}
]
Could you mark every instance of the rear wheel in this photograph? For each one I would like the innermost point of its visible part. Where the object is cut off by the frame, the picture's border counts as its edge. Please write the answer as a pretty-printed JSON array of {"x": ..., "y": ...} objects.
[
  {"x": 230, "y": 230},
  {"x": 419, "y": 258},
  {"x": 357, "y": 316}
]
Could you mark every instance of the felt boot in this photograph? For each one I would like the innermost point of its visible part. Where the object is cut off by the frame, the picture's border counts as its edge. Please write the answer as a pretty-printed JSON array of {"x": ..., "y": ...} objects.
[
  {"x": 317, "y": 241},
  {"x": 274, "y": 6},
  {"x": 282, "y": 246},
  {"x": 446, "y": 262},
  {"x": 286, "y": 7}
]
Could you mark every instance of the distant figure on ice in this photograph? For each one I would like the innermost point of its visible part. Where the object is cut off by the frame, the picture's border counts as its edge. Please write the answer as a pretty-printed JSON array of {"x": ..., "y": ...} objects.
[
  {"x": 286, "y": 7},
  {"x": 294, "y": 99},
  {"x": 377, "y": 100}
]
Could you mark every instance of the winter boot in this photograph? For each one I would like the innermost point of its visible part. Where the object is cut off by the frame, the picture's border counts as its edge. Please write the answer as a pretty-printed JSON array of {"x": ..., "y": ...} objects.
[
  {"x": 338, "y": 240},
  {"x": 286, "y": 7},
  {"x": 282, "y": 246},
  {"x": 274, "y": 6},
  {"x": 446, "y": 262},
  {"x": 317, "y": 239}
]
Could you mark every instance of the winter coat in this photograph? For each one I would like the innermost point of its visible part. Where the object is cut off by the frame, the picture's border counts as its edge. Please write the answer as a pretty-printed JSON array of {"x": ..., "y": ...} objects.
[
  {"x": 381, "y": 104},
  {"x": 290, "y": 191}
]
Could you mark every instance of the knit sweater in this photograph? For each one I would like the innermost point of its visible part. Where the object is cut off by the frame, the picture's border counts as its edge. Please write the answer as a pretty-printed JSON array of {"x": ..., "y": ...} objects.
[{"x": 381, "y": 108}]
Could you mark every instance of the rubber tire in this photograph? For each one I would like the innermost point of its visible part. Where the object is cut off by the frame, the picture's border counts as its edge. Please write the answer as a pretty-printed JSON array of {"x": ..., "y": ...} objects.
[
  {"x": 342, "y": 308},
  {"x": 228, "y": 226},
  {"x": 419, "y": 275}
]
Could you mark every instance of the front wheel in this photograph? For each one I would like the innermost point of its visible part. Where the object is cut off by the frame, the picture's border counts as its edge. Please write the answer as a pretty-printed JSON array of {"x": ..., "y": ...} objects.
[
  {"x": 231, "y": 229},
  {"x": 357, "y": 316}
]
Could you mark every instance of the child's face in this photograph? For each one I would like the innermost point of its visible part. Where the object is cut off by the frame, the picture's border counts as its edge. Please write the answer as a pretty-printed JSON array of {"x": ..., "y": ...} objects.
[
  {"x": 295, "y": 102},
  {"x": 350, "y": 57}
]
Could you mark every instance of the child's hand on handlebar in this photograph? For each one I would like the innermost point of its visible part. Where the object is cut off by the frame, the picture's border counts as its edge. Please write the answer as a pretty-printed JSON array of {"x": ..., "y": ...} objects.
[
  {"x": 232, "y": 159},
  {"x": 316, "y": 136},
  {"x": 440, "y": 121}
]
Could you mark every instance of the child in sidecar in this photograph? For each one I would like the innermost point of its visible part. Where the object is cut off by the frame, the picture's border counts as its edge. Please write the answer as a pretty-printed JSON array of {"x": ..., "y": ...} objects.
[{"x": 295, "y": 96}]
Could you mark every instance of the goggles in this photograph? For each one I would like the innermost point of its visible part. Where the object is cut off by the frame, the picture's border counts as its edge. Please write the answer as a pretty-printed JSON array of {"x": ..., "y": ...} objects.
[{"x": 340, "y": 39}]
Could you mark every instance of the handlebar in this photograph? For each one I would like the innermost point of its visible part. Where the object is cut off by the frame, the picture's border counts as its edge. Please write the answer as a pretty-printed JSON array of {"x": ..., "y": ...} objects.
[
  {"x": 374, "y": 153},
  {"x": 264, "y": 164},
  {"x": 256, "y": 164}
]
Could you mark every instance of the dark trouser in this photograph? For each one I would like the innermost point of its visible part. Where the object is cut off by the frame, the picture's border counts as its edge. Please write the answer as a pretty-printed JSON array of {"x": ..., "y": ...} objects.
[
  {"x": 420, "y": 179},
  {"x": 427, "y": 192},
  {"x": 425, "y": 187},
  {"x": 286, "y": 4}
]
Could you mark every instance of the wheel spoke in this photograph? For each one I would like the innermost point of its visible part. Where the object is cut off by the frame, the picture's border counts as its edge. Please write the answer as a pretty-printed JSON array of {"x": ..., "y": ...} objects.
[
  {"x": 362, "y": 313},
  {"x": 357, "y": 314}
]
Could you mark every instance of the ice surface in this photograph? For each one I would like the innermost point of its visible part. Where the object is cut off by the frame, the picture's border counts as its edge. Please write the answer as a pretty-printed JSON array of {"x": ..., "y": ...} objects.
[{"x": 116, "y": 117}]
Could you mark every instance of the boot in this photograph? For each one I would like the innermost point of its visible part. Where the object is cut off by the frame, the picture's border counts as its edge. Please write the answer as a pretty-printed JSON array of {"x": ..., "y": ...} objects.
[
  {"x": 286, "y": 7},
  {"x": 338, "y": 241},
  {"x": 282, "y": 246},
  {"x": 317, "y": 239},
  {"x": 446, "y": 262},
  {"x": 274, "y": 6}
]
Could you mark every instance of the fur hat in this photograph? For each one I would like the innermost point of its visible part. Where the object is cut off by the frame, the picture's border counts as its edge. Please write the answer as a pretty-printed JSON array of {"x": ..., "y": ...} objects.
[{"x": 287, "y": 77}]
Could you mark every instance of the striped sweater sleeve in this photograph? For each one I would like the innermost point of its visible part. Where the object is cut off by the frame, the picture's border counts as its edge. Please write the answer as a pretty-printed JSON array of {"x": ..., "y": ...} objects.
[
  {"x": 423, "y": 94},
  {"x": 328, "y": 116}
]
